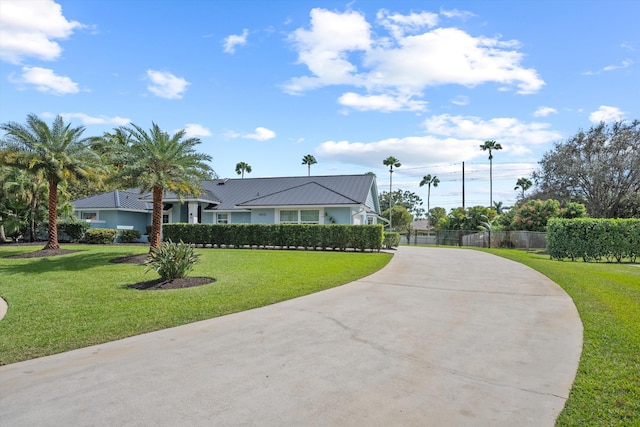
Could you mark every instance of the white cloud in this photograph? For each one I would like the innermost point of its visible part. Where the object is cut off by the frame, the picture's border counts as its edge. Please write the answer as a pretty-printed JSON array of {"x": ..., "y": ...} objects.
[
  {"x": 606, "y": 114},
  {"x": 505, "y": 130},
  {"x": 544, "y": 111},
  {"x": 340, "y": 49},
  {"x": 461, "y": 100},
  {"x": 384, "y": 103},
  {"x": 166, "y": 85},
  {"x": 45, "y": 80},
  {"x": 28, "y": 30},
  {"x": 99, "y": 120},
  {"x": 194, "y": 130},
  {"x": 230, "y": 42},
  {"x": 455, "y": 13},
  {"x": 626, "y": 63},
  {"x": 261, "y": 134}
]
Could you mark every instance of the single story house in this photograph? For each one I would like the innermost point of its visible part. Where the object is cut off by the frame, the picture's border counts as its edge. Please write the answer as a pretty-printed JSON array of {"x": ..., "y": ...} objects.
[{"x": 337, "y": 199}]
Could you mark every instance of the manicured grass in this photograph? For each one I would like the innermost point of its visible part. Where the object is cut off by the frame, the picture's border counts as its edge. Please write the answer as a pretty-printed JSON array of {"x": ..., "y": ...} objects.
[
  {"x": 606, "y": 391},
  {"x": 76, "y": 300}
]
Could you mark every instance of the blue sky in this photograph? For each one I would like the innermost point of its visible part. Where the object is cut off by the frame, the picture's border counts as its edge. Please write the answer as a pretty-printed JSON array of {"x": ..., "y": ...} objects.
[{"x": 267, "y": 82}]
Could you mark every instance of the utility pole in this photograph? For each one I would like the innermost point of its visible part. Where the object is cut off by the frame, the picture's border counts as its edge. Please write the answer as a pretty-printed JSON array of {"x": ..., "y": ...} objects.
[{"x": 462, "y": 185}]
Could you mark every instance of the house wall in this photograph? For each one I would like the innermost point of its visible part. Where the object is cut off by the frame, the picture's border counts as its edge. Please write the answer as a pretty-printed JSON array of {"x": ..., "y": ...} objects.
[
  {"x": 263, "y": 216},
  {"x": 207, "y": 217},
  {"x": 241, "y": 217},
  {"x": 340, "y": 215}
]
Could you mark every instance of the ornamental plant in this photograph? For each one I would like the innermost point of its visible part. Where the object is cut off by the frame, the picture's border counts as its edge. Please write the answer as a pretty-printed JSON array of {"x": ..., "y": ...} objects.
[{"x": 172, "y": 260}]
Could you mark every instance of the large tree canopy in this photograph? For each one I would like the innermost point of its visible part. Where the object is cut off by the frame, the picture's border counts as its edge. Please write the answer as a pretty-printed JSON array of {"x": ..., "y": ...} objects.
[
  {"x": 599, "y": 167},
  {"x": 407, "y": 199}
]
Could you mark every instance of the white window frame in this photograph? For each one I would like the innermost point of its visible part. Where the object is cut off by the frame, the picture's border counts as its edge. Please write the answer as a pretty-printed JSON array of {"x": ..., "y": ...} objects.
[
  {"x": 223, "y": 221},
  {"x": 298, "y": 219},
  {"x": 96, "y": 214}
]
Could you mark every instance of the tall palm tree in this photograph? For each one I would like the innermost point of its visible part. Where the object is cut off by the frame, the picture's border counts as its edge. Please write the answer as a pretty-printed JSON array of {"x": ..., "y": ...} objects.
[
  {"x": 391, "y": 162},
  {"x": 490, "y": 146},
  {"x": 155, "y": 162},
  {"x": 243, "y": 167},
  {"x": 523, "y": 184},
  {"x": 428, "y": 180},
  {"x": 309, "y": 160},
  {"x": 28, "y": 190},
  {"x": 59, "y": 152}
]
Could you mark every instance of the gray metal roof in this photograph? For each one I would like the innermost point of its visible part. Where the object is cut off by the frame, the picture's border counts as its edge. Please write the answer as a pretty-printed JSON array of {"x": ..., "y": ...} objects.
[
  {"x": 116, "y": 199},
  {"x": 234, "y": 194}
]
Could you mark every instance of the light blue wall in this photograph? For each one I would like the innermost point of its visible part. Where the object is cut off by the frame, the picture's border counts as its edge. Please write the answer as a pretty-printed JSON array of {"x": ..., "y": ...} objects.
[
  {"x": 207, "y": 217},
  {"x": 263, "y": 216},
  {"x": 341, "y": 215},
  {"x": 241, "y": 217}
]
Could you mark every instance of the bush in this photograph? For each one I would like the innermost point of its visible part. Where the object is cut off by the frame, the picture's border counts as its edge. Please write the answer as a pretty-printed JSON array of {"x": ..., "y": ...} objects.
[
  {"x": 391, "y": 239},
  {"x": 172, "y": 260},
  {"x": 75, "y": 230},
  {"x": 130, "y": 236},
  {"x": 100, "y": 236}
]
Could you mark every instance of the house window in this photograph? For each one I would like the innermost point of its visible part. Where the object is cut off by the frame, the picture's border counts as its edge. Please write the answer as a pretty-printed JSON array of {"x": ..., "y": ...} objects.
[
  {"x": 89, "y": 215},
  {"x": 307, "y": 216},
  {"x": 288, "y": 217},
  {"x": 370, "y": 220},
  {"x": 310, "y": 216},
  {"x": 223, "y": 218},
  {"x": 165, "y": 219}
]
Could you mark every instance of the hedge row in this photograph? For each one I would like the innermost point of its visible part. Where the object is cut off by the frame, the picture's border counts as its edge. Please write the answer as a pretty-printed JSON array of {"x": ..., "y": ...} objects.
[
  {"x": 594, "y": 239},
  {"x": 337, "y": 237}
]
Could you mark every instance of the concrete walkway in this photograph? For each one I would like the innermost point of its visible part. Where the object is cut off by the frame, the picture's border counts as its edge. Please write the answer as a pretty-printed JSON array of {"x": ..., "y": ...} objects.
[{"x": 440, "y": 337}]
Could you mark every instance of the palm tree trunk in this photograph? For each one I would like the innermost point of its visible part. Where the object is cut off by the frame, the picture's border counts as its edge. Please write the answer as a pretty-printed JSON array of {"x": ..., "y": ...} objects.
[
  {"x": 428, "y": 197},
  {"x": 390, "y": 197},
  {"x": 490, "y": 181},
  {"x": 156, "y": 219},
  {"x": 52, "y": 232},
  {"x": 309, "y": 169},
  {"x": 3, "y": 237}
]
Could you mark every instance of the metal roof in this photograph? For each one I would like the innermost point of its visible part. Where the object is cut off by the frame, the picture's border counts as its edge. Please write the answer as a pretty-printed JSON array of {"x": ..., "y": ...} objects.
[{"x": 116, "y": 199}]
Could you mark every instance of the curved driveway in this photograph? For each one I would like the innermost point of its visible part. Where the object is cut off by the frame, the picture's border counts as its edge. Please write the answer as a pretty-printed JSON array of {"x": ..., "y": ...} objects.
[{"x": 439, "y": 337}]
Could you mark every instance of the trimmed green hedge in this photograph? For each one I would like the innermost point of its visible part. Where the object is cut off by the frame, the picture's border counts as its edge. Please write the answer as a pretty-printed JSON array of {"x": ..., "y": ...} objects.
[
  {"x": 333, "y": 236},
  {"x": 594, "y": 239},
  {"x": 100, "y": 236},
  {"x": 129, "y": 236},
  {"x": 391, "y": 239},
  {"x": 75, "y": 230}
]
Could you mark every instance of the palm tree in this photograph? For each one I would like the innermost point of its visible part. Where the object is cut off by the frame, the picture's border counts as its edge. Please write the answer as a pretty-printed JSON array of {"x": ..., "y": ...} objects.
[
  {"x": 391, "y": 162},
  {"x": 523, "y": 184},
  {"x": 309, "y": 160},
  {"x": 243, "y": 167},
  {"x": 490, "y": 146},
  {"x": 428, "y": 180},
  {"x": 156, "y": 162},
  {"x": 59, "y": 153}
]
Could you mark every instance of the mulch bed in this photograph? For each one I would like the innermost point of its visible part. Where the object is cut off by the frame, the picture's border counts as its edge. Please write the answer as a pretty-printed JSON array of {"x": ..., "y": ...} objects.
[
  {"x": 162, "y": 284},
  {"x": 42, "y": 253}
]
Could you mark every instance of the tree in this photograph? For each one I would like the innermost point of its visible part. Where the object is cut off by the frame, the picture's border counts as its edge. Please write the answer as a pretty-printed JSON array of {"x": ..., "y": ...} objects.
[
  {"x": 391, "y": 162},
  {"x": 599, "y": 167},
  {"x": 490, "y": 146},
  {"x": 534, "y": 214},
  {"x": 523, "y": 184},
  {"x": 436, "y": 216},
  {"x": 156, "y": 161},
  {"x": 59, "y": 153},
  {"x": 243, "y": 167},
  {"x": 401, "y": 217},
  {"x": 428, "y": 180},
  {"x": 468, "y": 219},
  {"x": 409, "y": 200},
  {"x": 309, "y": 160},
  {"x": 27, "y": 193}
]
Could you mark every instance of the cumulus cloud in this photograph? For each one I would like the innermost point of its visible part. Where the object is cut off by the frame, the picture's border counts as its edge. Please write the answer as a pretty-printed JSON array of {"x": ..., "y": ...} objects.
[
  {"x": 342, "y": 49},
  {"x": 544, "y": 111},
  {"x": 230, "y": 42},
  {"x": 194, "y": 130},
  {"x": 45, "y": 80},
  {"x": 166, "y": 85},
  {"x": 606, "y": 114},
  {"x": 261, "y": 134},
  {"x": 29, "y": 29},
  {"x": 86, "y": 119}
]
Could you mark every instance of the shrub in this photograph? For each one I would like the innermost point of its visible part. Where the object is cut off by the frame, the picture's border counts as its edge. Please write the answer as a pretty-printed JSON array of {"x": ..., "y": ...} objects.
[
  {"x": 75, "y": 230},
  {"x": 129, "y": 236},
  {"x": 172, "y": 260},
  {"x": 100, "y": 236},
  {"x": 391, "y": 239}
]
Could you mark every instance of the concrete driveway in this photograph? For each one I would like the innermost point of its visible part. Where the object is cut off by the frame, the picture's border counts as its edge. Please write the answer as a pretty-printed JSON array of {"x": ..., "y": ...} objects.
[{"x": 439, "y": 337}]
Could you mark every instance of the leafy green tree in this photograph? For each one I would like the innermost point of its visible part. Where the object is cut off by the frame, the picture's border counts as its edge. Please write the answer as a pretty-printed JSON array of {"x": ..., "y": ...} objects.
[
  {"x": 468, "y": 219},
  {"x": 533, "y": 215},
  {"x": 436, "y": 217},
  {"x": 400, "y": 216},
  {"x": 59, "y": 153},
  {"x": 599, "y": 168},
  {"x": 309, "y": 160},
  {"x": 523, "y": 184},
  {"x": 156, "y": 162},
  {"x": 242, "y": 167},
  {"x": 409, "y": 200},
  {"x": 391, "y": 162},
  {"x": 28, "y": 194},
  {"x": 428, "y": 180},
  {"x": 573, "y": 210},
  {"x": 490, "y": 146}
]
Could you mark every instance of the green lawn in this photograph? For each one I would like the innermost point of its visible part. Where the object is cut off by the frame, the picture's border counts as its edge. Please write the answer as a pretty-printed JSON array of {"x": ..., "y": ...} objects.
[
  {"x": 76, "y": 300},
  {"x": 606, "y": 391}
]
